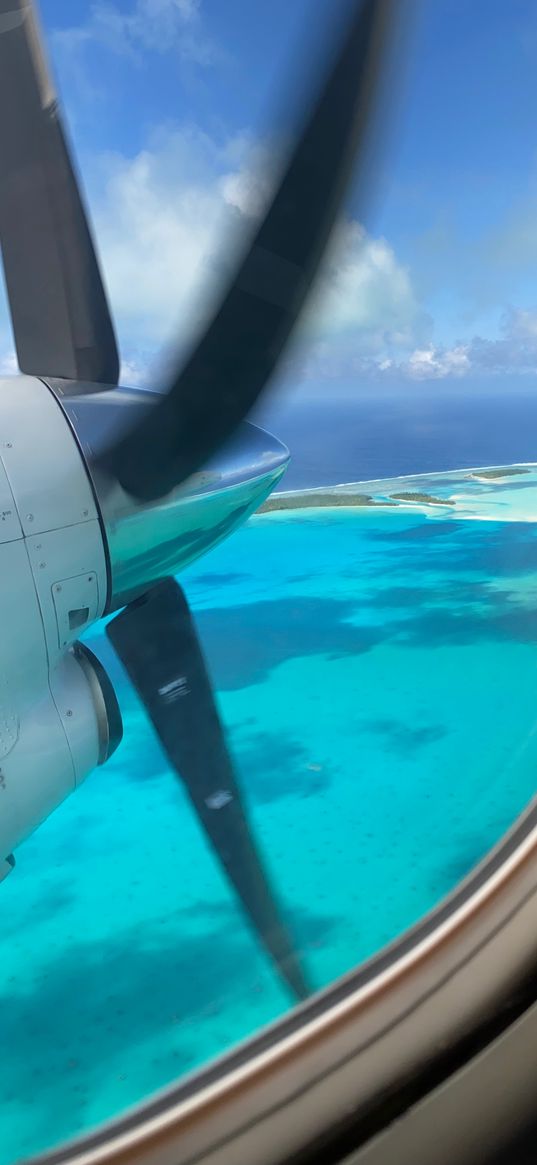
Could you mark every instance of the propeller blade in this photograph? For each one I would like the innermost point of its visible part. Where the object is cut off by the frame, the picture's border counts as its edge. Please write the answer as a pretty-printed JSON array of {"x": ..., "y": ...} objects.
[
  {"x": 156, "y": 640},
  {"x": 61, "y": 321},
  {"x": 241, "y": 347}
]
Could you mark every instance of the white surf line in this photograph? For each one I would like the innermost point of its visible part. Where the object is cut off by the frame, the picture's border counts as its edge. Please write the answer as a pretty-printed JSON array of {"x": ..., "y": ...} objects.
[
  {"x": 402, "y": 477},
  {"x": 382, "y": 500}
]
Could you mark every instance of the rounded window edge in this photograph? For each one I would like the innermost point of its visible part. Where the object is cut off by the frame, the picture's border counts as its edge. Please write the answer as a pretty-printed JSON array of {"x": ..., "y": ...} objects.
[{"x": 393, "y": 997}]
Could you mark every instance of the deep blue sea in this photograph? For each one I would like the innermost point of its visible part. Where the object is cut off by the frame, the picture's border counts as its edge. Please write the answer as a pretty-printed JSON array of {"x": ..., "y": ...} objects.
[
  {"x": 354, "y": 439},
  {"x": 376, "y": 672}
]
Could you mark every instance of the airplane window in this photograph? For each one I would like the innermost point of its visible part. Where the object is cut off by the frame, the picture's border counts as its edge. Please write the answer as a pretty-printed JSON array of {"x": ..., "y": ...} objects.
[{"x": 268, "y": 684}]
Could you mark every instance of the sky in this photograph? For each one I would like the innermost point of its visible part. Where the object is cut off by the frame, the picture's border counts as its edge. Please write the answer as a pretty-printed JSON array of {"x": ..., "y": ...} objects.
[{"x": 177, "y": 110}]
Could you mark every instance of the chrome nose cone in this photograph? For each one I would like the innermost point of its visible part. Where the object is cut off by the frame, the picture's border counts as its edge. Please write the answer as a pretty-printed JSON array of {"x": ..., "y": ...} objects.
[
  {"x": 147, "y": 541},
  {"x": 253, "y": 455}
]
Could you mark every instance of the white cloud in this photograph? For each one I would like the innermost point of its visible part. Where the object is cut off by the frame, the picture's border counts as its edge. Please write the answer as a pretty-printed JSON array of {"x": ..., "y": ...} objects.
[
  {"x": 436, "y": 363},
  {"x": 142, "y": 26},
  {"x": 132, "y": 373},
  {"x": 8, "y": 363},
  {"x": 513, "y": 353},
  {"x": 8, "y": 359},
  {"x": 521, "y": 325},
  {"x": 365, "y": 291},
  {"x": 248, "y": 188},
  {"x": 157, "y": 218},
  {"x": 166, "y": 220}
]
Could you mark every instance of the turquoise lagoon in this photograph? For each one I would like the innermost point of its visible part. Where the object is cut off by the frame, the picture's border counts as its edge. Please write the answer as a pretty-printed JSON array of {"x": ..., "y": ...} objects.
[{"x": 376, "y": 669}]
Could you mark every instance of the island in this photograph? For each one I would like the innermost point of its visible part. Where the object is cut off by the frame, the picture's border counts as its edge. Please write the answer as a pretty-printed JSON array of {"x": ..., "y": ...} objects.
[
  {"x": 421, "y": 498},
  {"x": 304, "y": 501},
  {"x": 494, "y": 474},
  {"x": 337, "y": 497}
]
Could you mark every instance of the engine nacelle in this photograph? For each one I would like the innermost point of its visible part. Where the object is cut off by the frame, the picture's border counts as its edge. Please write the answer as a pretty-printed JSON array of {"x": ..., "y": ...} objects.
[
  {"x": 55, "y": 704},
  {"x": 47, "y": 748},
  {"x": 74, "y": 546}
]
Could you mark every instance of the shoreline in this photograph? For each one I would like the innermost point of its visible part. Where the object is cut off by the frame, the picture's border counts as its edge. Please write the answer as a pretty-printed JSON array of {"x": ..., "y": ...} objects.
[
  {"x": 333, "y": 497},
  {"x": 321, "y": 501},
  {"x": 528, "y": 465}
]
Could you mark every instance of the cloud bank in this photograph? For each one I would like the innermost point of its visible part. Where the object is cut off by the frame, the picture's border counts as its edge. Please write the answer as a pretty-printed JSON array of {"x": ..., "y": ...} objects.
[
  {"x": 168, "y": 221},
  {"x": 146, "y": 26}
]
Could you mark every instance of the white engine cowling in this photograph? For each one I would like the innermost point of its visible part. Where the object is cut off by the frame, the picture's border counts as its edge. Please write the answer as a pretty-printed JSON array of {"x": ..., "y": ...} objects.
[
  {"x": 58, "y": 717},
  {"x": 74, "y": 546}
]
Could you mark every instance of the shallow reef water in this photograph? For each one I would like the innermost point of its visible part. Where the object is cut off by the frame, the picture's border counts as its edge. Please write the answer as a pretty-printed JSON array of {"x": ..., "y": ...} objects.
[{"x": 376, "y": 670}]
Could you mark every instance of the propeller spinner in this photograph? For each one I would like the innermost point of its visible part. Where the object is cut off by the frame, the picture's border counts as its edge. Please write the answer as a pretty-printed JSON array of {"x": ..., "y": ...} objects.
[{"x": 106, "y": 492}]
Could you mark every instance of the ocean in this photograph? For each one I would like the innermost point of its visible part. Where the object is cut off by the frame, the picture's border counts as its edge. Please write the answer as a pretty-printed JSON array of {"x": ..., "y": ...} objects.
[
  {"x": 424, "y": 430},
  {"x": 376, "y": 672}
]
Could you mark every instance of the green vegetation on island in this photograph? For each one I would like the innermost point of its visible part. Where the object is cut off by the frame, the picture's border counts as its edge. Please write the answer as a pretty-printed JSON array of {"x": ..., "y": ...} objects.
[
  {"x": 310, "y": 500},
  {"x": 493, "y": 474},
  {"x": 417, "y": 496},
  {"x": 307, "y": 501}
]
